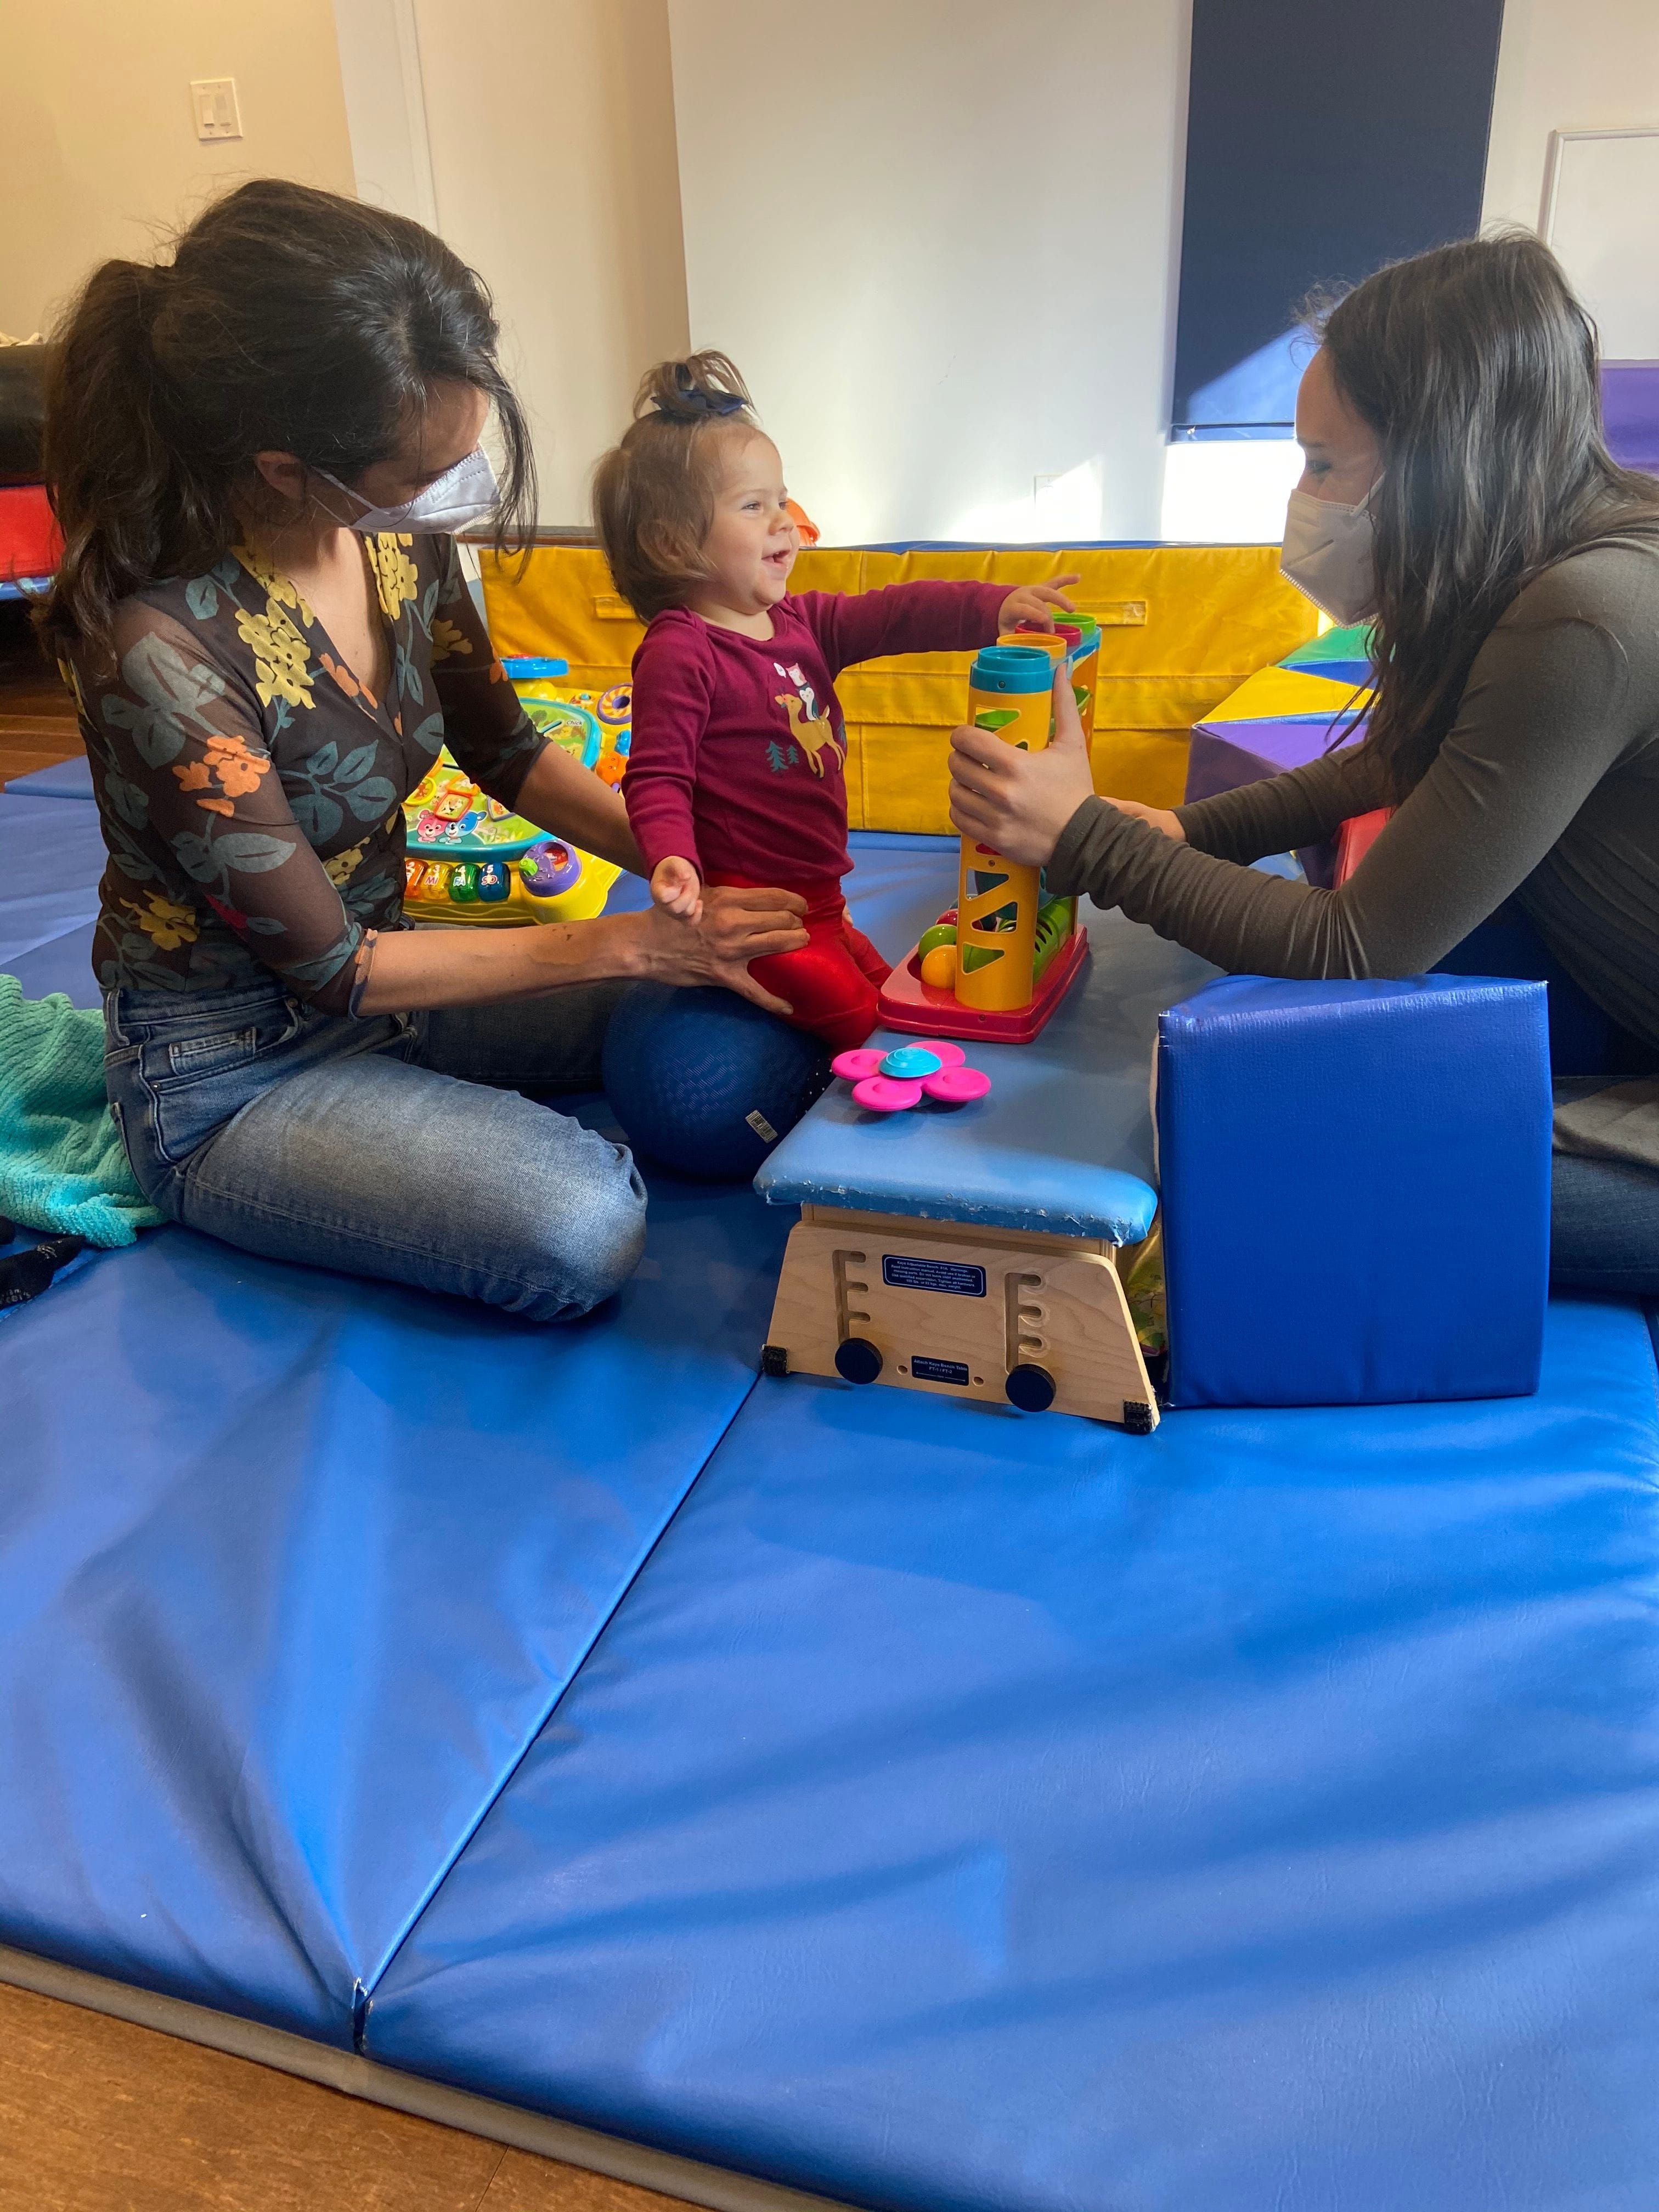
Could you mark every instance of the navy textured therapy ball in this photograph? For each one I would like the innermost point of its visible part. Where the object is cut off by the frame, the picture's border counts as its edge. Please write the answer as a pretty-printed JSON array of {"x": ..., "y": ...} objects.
[{"x": 705, "y": 1082}]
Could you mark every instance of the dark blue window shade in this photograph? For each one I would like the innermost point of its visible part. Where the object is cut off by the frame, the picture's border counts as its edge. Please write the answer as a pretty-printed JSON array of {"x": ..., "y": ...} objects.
[{"x": 1324, "y": 137}]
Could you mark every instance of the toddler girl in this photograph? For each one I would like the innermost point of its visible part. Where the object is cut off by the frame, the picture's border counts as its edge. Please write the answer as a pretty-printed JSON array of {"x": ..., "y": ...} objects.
[{"x": 735, "y": 775}]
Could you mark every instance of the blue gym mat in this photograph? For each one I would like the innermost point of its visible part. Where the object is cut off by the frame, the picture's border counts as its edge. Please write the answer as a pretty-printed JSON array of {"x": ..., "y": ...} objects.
[
  {"x": 292, "y": 1567},
  {"x": 51, "y": 856},
  {"x": 977, "y": 1811},
  {"x": 70, "y": 779},
  {"x": 961, "y": 1810},
  {"x": 61, "y": 963},
  {"x": 300, "y": 1564}
]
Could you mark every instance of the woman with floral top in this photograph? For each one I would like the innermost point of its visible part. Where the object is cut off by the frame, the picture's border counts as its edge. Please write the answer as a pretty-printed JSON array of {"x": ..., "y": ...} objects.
[{"x": 257, "y": 453}]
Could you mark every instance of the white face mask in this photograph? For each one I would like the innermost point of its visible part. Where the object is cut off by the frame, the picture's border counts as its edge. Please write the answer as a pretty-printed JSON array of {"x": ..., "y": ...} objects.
[
  {"x": 1328, "y": 554},
  {"x": 462, "y": 495}
]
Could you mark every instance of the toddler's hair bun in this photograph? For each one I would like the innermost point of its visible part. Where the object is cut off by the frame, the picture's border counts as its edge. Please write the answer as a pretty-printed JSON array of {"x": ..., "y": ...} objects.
[{"x": 704, "y": 386}]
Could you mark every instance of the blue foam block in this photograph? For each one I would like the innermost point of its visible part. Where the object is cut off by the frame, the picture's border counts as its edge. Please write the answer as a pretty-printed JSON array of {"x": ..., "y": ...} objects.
[
  {"x": 51, "y": 855},
  {"x": 69, "y": 779},
  {"x": 292, "y": 1568},
  {"x": 1063, "y": 1143},
  {"x": 1355, "y": 1182},
  {"x": 967, "y": 1812}
]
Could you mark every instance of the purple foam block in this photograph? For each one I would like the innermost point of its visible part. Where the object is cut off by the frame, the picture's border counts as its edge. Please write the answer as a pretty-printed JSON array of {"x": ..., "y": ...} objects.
[
  {"x": 1630, "y": 412},
  {"x": 1224, "y": 755}
]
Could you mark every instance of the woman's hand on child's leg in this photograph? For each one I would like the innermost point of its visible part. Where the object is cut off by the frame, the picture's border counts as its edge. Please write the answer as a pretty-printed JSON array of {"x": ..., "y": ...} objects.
[
  {"x": 1036, "y": 604},
  {"x": 675, "y": 884}
]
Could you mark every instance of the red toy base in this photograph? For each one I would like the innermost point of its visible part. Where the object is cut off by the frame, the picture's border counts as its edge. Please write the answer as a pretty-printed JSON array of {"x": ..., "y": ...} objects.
[{"x": 908, "y": 1003}]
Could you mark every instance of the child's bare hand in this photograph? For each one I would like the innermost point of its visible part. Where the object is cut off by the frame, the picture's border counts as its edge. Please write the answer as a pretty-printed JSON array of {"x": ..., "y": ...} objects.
[
  {"x": 675, "y": 885},
  {"x": 1035, "y": 604}
]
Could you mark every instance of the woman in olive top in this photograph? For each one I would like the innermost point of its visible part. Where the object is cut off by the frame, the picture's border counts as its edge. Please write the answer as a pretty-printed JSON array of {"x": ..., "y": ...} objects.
[
  {"x": 1457, "y": 490},
  {"x": 258, "y": 450}
]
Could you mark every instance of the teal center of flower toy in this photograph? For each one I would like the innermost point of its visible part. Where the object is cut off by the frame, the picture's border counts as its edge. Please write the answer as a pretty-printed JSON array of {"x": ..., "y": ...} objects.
[
  {"x": 890, "y": 1082},
  {"x": 910, "y": 1060}
]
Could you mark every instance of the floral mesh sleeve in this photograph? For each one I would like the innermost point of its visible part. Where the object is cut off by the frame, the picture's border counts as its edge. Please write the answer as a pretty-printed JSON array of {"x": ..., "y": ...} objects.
[
  {"x": 484, "y": 725},
  {"x": 195, "y": 810}
]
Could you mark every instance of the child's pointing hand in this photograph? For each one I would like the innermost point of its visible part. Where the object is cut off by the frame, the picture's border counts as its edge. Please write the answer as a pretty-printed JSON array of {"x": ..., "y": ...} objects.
[{"x": 1036, "y": 604}]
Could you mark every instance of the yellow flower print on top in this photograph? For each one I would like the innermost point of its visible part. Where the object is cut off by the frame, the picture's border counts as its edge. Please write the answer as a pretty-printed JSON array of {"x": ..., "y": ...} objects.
[
  {"x": 447, "y": 639},
  {"x": 282, "y": 661},
  {"x": 166, "y": 924},
  {"x": 342, "y": 868},
  {"x": 394, "y": 571},
  {"x": 280, "y": 591},
  {"x": 228, "y": 763}
]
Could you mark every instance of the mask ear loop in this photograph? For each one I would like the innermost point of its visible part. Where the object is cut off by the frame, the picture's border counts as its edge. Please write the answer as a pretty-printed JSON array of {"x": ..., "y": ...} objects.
[{"x": 340, "y": 521}]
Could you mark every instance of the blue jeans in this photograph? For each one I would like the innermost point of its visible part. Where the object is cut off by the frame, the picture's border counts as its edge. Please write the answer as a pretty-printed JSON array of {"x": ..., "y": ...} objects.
[
  {"x": 1604, "y": 1227},
  {"x": 398, "y": 1147}
]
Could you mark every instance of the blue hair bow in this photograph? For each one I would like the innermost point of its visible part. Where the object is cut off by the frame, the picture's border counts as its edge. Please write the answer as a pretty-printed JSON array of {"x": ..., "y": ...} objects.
[{"x": 707, "y": 403}]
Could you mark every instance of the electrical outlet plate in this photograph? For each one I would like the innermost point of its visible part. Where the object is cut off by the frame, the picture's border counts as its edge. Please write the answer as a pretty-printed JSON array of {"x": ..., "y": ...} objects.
[{"x": 213, "y": 100}]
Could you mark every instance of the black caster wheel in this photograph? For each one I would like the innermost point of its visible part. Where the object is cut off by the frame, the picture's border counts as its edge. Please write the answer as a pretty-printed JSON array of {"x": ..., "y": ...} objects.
[
  {"x": 775, "y": 1359},
  {"x": 857, "y": 1359},
  {"x": 1030, "y": 1388}
]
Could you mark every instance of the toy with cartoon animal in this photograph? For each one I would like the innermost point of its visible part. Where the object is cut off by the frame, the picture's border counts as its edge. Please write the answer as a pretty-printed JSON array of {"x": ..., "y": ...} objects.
[{"x": 468, "y": 858}]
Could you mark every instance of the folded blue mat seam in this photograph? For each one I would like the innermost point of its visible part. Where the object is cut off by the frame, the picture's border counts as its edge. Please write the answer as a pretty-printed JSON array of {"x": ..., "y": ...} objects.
[{"x": 363, "y": 1995}]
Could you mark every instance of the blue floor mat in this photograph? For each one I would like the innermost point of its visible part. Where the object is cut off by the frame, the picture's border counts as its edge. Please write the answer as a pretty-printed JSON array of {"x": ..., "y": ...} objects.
[
  {"x": 70, "y": 779},
  {"x": 51, "y": 855},
  {"x": 293, "y": 1567},
  {"x": 297, "y": 1564},
  {"x": 61, "y": 963},
  {"x": 969, "y": 1811}
]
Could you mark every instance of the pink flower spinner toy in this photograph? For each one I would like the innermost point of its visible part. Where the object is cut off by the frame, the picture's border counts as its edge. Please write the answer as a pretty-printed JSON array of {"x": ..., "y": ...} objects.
[{"x": 890, "y": 1082}]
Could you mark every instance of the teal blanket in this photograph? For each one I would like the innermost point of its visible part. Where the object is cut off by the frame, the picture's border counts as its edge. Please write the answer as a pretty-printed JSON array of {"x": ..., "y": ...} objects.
[{"x": 62, "y": 1164}]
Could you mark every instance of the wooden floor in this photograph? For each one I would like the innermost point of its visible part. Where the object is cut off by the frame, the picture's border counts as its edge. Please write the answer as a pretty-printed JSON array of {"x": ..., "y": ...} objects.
[
  {"x": 97, "y": 2115},
  {"x": 36, "y": 715}
]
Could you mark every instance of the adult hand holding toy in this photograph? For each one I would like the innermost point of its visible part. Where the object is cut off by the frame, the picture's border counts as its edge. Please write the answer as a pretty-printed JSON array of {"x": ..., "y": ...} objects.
[{"x": 1018, "y": 803}]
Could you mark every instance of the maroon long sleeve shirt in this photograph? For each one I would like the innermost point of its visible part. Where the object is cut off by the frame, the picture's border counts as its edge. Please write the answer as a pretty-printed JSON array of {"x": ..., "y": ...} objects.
[{"x": 739, "y": 747}]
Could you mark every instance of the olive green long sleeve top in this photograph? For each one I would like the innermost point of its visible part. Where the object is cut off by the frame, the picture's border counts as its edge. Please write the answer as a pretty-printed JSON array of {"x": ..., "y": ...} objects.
[{"x": 1546, "y": 789}]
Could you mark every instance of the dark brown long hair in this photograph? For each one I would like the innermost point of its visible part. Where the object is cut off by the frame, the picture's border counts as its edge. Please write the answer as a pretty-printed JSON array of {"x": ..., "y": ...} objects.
[
  {"x": 1478, "y": 369},
  {"x": 288, "y": 320},
  {"x": 653, "y": 492}
]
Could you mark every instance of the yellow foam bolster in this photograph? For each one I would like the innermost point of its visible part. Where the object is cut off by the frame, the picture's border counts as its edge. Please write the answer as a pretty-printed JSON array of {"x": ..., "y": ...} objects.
[
  {"x": 1149, "y": 766},
  {"x": 1180, "y": 627},
  {"x": 1158, "y": 702},
  {"x": 1274, "y": 691},
  {"x": 906, "y": 778}
]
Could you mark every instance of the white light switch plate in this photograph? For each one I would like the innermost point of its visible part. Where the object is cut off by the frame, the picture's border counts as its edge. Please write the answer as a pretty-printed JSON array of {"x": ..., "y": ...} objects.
[{"x": 213, "y": 99}]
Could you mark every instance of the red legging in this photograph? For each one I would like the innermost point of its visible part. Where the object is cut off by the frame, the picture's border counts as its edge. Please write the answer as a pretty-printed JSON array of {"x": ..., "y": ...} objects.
[{"x": 833, "y": 981}]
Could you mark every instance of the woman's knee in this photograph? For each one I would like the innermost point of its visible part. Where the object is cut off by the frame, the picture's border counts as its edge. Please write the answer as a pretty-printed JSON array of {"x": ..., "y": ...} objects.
[{"x": 582, "y": 1249}]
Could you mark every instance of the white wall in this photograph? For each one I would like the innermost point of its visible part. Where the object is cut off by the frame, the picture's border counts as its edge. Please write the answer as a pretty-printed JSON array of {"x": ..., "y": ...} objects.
[
  {"x": 547, "y": 161},
  {"x": 101, "y": 155},
  {"x": 1564, "y": 66},
  {"x": 870, "y": 193}
]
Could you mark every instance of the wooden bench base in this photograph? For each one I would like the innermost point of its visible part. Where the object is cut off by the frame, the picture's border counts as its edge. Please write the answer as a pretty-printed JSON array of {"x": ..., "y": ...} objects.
[{"x": 964, "y": 1312}]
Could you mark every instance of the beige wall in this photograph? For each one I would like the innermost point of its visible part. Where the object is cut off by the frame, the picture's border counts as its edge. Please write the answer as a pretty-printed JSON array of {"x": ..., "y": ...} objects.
[
  {"x": 874, "y": 197},
  {"x": 550, "y": 127},
  {"x": 1564, "y": 66},
  {"x": 101, "y": 155}
]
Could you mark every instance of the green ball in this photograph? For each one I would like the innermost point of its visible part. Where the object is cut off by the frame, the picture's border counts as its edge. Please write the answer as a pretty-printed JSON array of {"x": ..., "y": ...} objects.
[{"x": 942, "y": 932}]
